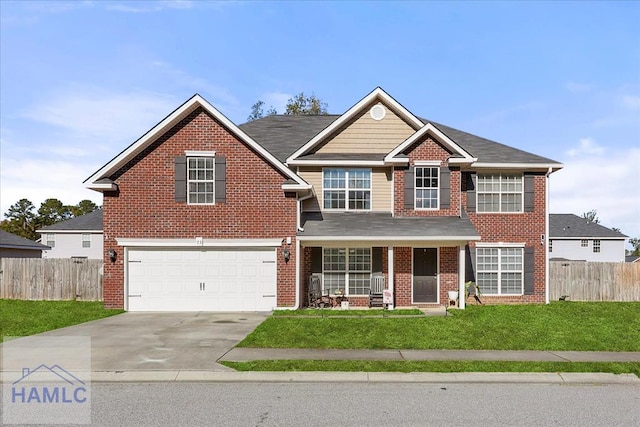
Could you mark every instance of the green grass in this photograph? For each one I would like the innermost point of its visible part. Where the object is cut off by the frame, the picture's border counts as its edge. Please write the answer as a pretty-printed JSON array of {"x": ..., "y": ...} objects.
[
  {"x": 569, "y": 326},
  {"x": 327, "y": 312},
  {"x": 432, "y": 366},
  {"x": 22, "y": 318}
]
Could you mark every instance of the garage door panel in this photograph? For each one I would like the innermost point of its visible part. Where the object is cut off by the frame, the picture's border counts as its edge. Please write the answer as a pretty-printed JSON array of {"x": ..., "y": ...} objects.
[{"x": 229, "y": 279}]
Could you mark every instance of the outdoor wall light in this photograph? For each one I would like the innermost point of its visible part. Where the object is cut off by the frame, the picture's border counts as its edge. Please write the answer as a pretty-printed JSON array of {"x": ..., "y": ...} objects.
[
  {"x": 112, "y": 255},
  {"x": 286, "y": 254}
]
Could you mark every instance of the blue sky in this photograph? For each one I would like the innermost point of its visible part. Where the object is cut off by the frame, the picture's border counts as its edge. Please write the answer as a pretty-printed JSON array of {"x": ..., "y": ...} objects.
[{"x": 79, "y": 81}]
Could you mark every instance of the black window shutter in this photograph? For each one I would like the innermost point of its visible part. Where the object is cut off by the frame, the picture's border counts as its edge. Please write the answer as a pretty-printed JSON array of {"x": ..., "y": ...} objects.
[
  {"x": 528, "y": 192},
  {"x": 409, "y": 184},
  {"x": 472, "y": 178},
  {"x": 180, "y": 167},
  {"x": 376, "y": 260},
  {"x": 221, "y": 179},
  {"x": 470, "y": 262},
  {"x": 529, "y": 267},
  {"x": 445, "y": 188},
  {"x": 316, "y": 260}
]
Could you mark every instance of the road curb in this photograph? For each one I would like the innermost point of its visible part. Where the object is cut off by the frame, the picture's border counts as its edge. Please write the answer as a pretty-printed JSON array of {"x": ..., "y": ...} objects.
[{"x": 363, "y": 377}]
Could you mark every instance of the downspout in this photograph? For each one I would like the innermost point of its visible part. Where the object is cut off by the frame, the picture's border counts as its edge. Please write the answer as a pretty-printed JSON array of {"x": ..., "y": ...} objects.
[
  {"x": 546, "y": 240},
  {"x": 299, "y": 228}
]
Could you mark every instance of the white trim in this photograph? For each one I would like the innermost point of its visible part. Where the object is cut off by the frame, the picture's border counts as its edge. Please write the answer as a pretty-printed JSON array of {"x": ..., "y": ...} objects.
[
  {"x": 377, "y": 93},
  {"x": 425, "y": 165},
  {"x": 435, "y": 132},
  {"x": 461, "y": 161},
  {"x": 390, "y": 273},
  {"x": 588, "y": 238},
  {"x": 195, "y": 243},
  {"x": 500, "y": 245},
  {"x": 527, "y": 166},
  {"x": 102, "y": 187},
  {"x": 189, "y": 153},
  {"x": 295, "y": 187},
  {"x": 548, "y": 243},
  {"x": 500, "y": 270},
  {"x": 428, "y": 163},
  {"x": 41, "y": 231},
  {"x": 462, "y": 291},
  {"x": 167, "y": 123},
  {"x": 337, "y": 162},
  {"x": 348, "y": 189}
]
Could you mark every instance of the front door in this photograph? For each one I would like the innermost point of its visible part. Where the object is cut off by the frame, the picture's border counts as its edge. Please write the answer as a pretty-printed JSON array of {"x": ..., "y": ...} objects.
[{"x": 425, "y": 275}]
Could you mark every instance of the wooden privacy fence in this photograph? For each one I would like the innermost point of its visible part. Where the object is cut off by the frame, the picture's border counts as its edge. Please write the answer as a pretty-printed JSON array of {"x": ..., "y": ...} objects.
[
  {"x": 594, "y": 281},
  {"x": 51, "y": 279}
]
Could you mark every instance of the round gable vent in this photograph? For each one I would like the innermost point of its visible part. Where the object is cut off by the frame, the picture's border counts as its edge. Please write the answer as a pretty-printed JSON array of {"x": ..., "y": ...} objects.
[{"x": 377, "y": 112}]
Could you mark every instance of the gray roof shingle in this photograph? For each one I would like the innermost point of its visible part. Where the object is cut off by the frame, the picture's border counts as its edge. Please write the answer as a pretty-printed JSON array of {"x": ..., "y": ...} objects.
[
  {"x": 11, "y": 241},
  {"x": 384, "y": 225},
  {"x": 87, "y": 222},
  {"x": 282, "y": 135},
  {"x": 573, "y": 226}
]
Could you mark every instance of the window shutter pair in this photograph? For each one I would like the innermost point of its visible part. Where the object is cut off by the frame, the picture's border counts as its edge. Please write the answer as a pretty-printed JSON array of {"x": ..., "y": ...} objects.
[
  {"x": 181, "y": 179},
  {"x": 529, "y": 193},
  {"x": 444, "y": 187}
]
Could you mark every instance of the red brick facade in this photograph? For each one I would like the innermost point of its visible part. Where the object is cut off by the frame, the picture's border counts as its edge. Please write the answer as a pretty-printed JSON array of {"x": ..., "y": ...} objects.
[{"x": 144, "y": 207}]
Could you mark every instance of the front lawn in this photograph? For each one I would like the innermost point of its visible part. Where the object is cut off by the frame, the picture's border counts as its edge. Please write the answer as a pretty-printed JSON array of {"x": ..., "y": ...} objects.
[
  {"x": 569, "y": 326},
  {"x": 433, "y": 366},
  {"x": 21, "y": 318}
]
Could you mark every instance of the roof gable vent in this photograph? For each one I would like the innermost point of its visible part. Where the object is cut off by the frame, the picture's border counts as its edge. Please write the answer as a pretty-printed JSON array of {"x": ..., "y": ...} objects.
[{"x": 377, "y": 112}]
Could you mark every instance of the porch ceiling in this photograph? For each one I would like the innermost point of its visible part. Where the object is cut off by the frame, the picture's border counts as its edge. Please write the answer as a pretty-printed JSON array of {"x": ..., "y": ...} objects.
[{"x": 379, "y": 226}]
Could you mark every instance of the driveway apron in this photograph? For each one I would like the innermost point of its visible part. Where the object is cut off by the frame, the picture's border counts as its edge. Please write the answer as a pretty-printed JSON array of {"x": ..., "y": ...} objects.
[{"x": 163, "y": 341}]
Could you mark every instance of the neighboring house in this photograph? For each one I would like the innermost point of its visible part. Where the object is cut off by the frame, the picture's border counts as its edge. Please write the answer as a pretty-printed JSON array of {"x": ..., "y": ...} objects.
[
  {"x": 79, "y": 237},
  {"x": 573, "y": 238},
  {"x": 631, "y": 258},
  {"x": 202, "y": 214},
  {"x": 12, "y": 246}
]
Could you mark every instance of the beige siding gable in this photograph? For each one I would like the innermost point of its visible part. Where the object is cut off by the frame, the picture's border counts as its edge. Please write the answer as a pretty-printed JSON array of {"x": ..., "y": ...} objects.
[{"x": 366, "y": 135}]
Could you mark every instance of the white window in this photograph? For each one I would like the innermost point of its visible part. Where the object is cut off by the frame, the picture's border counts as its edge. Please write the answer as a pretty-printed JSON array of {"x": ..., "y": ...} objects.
[
  {"x": 347, "y": 189},
  {"x": 347, "y": 270},
  {"x": 550, "y": 245},
  {"x": 500, "y": 193},
  {"x": 200, "y": 180},
  {"x": 584, "y": 243},
  {"x": 499, "y": 271},
  {"x": 426, "y": 187},
  {"x": 86, "y": 240},
  {"x": 51, "y": 240},
  {"x": 596, "y": 246}
]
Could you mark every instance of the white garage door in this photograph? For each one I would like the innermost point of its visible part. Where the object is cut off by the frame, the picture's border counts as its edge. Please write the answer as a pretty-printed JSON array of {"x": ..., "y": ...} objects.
[{"x": 224, "y": 279}]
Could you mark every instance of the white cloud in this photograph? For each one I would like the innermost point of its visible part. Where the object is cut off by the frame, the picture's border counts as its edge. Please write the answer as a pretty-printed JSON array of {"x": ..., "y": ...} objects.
[
  {"x": 587, "y": 146},
  {"x": 578, "y": 87},
  {"x": 631, "y": 101},
  {"x": 277, "y": 100},
  {"x": 607, "y": 180},
  {"x": 38, "y": 180},
  {"x": 89, "y": 112},
  {"x": 147, "y": 6}
]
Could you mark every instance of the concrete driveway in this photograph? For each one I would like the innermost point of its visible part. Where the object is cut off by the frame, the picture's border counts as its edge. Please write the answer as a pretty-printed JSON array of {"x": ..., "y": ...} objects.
[{"x": 163, "y": 341}]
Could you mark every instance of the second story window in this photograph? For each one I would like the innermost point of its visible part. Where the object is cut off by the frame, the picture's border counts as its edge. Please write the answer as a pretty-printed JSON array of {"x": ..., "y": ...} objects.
[
  {"x": 500, "y": 192},
  {"x": 86, "y": 240},
  {"x": 596, "y": 246},
  {"x": 51, "y": 240},
  {"x": 200, "y": 180},
  {"x": 426, "y": 187},
  {"x": 347, "y": 189}
]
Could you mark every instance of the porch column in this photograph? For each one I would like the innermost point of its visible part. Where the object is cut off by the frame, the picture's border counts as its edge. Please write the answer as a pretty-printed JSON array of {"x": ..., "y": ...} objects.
[
  {"x": 390, "y": 271},
  {"x": 462, "y": 295}
]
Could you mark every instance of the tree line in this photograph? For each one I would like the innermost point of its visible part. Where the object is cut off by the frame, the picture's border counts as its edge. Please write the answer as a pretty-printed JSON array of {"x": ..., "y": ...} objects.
[{"x": 22, "y": 219}]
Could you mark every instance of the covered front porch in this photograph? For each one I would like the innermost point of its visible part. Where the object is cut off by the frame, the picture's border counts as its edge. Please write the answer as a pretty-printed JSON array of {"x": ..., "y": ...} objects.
[{"x": 417, "y": 260}]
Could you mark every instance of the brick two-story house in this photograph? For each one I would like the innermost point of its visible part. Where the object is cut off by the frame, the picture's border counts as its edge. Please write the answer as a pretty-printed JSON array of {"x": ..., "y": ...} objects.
[{"x": 202, "y": 214}]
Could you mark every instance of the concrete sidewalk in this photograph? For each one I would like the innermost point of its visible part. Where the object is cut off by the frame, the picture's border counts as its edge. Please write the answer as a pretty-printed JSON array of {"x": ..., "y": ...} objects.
[
  {"x": 365, "y": 377},
  {"x": 248, "y": 354}
]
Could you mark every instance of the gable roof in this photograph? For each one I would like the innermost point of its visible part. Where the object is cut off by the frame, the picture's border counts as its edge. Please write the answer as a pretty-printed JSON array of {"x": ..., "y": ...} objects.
[
  {"x": 11, "y": 241},
  {"x": 97, "y": 180},
  {"x": 376, "y": 95},
  {"x": 87, "y": 222},
  {"x": 572, "y": 226},
  {"x": 290, "y": 137}
]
